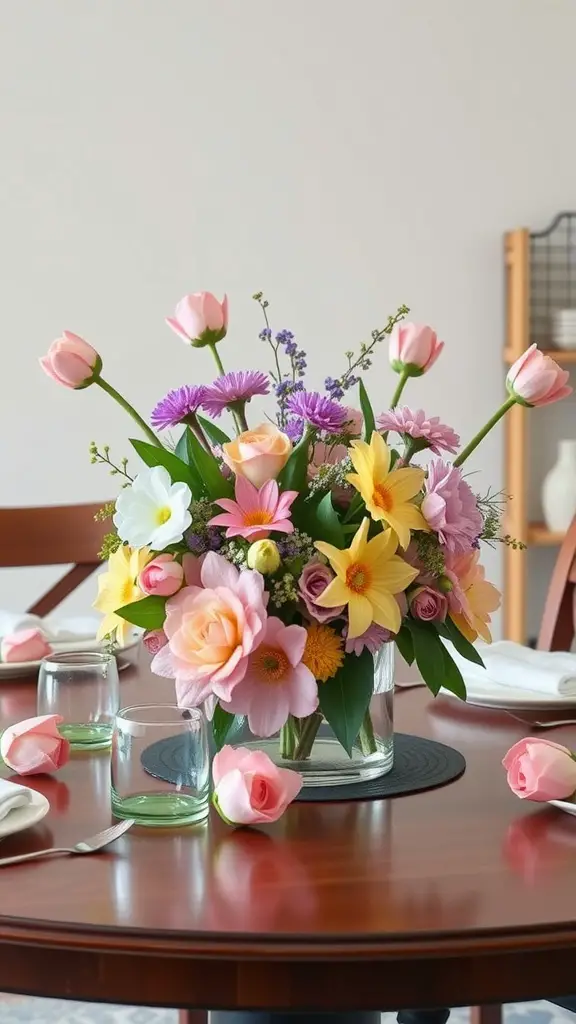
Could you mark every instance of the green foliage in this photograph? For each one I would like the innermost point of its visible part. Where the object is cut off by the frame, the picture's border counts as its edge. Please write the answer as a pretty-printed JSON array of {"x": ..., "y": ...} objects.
[
  {"x": 450, "y": 630},
  {"x": 149, "y": 613},
  {"x": 110, "y": 543},
  {"x": 208, "y": 469},
  {"x": 345, "y": 698},
  {"x": 429, "y": 653},
  {"x": 405, "y": 644},
  {"x": 225, "y": 726},
  {"x": 367, "y": 412},
  {"x": 153, "y": 456},
  {"x": 293, "y": 476},
  {"x": 213, "y": 432}
]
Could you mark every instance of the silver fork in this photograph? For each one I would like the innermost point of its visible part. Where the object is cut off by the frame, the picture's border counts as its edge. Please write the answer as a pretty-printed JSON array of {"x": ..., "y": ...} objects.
[{"x": 90, "y": 845}]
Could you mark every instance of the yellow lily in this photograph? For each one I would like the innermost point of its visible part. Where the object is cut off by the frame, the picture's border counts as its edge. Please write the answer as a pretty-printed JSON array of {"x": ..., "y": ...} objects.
[{"x": 387, "y": 493}]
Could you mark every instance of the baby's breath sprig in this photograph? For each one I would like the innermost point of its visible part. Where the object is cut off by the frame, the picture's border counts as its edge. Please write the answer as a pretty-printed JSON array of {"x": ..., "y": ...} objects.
[
  {"x": 106, "y": 512},
  {"x": 103, "y": 458},
  {"x": 110, "y": 543},
  {"x": 331, "y": 475},
  {"x": 429, "y": 552},
  {"x": 284, "y": 590},
  {"x": 336, "y": 386}
]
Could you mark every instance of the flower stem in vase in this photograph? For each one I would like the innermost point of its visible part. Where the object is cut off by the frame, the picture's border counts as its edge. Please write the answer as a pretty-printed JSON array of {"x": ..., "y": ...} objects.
[
  {"x": 366, "y": 738},
  {"x": 308, "y": 734},
  {"x": 288, "y": 739}
]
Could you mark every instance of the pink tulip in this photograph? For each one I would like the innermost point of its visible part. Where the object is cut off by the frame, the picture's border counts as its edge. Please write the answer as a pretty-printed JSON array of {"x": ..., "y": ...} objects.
[
  {"x": 540, "y": 770},
  {"x": 249, "y": 789},
  {"x": 162, "y": 576},
  {"x": 71, "y": 361},
  {"x": 200, "y": 319},
  {"x": 414, "y": 348},
  {"x": 35, "y": 745},
  {"x": 428, "y": 604},
  {"x": 535, "y": 379},
  {"x": 154, "y": 640},
  {"x": 24, "y": 645}
]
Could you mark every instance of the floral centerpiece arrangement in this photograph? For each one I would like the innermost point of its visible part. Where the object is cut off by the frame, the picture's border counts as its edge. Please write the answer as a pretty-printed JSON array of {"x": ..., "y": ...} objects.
[{"x": 275, "y": 567}]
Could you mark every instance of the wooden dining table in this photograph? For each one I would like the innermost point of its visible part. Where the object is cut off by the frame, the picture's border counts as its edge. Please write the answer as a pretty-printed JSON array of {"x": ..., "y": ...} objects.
[{"x": 458, "y": 895}]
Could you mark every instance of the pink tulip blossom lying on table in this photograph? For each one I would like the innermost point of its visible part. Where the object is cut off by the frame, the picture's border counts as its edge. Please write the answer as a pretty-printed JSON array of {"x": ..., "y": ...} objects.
[
  {"x": 24, "y": 645},
  {"x": 35, "y": 745},
  {"x": 540, "y": 770},
  {"x": 249, "y": 789}
]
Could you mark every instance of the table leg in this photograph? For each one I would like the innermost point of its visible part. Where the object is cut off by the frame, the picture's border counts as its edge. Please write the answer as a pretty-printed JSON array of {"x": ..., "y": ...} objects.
[
  {"x": 489, "y": 1014},
  {"x": 233, "y": 1017},
  {"x": 193, "y": 1017}
]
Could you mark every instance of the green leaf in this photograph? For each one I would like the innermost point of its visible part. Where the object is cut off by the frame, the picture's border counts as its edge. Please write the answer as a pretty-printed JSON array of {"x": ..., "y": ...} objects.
[
  {"x": 367, "y": 412},
  {"x": 429, "y": 653},
  {"x": 293, "y": 476},
  {"x": 453, "y": 677},
  {"x": 320, "y": 521},
  {"x": 405, "y": 645},
  {"x": 214, "y": 433},
  {"x": 356, "y": 506},
  {"x": 154, "y": 456},
  {"x": 225, "y": 726},
  {"x": 150, "y": 612},
  {"x": 450, "y": 630},
  {"x": 183, "y": 453},
  {"x": 206, "y": 465},
  {"x": 345, "y": 698}
]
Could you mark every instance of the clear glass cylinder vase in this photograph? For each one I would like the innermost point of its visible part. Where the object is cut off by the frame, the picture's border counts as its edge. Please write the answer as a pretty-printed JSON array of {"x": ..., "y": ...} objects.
[{"x": 309, "y": 745}]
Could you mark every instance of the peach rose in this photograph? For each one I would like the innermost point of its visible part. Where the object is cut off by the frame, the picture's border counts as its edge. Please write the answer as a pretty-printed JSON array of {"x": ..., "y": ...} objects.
[
  {"x": 24, "y": 645},
  {"x": 35, "y": 745},
  {"x": 211, "y": 630},
  {"x": 539, "y": 769},
  {"x": 258, "y": 454},
  {"x": 249, "y": 789}
]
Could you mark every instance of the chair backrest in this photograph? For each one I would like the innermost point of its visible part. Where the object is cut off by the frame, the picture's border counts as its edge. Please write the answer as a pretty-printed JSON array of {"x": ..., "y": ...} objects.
[
  {"x": 559, "y": 620},
  {"x": 55, "y": 535}
]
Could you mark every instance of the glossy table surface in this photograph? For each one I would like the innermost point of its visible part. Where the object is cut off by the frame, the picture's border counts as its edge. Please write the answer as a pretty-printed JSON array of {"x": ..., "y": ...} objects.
[{"x": 335, "y": 900}]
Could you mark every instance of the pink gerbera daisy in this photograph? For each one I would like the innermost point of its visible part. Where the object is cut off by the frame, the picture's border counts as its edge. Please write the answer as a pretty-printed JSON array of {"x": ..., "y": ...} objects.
[
  {"x": 277, "y": 683},
  {"x": 256, "y": 511},
  {"x": 429, "y": 431}
]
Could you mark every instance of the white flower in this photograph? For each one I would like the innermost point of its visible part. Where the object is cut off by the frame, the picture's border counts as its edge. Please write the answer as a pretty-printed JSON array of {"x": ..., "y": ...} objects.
[{"x": 153, "y": 511}]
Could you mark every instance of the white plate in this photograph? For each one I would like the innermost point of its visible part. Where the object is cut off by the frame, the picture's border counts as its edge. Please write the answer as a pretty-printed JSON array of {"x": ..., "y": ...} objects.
[
  {"x": 564, "y": 805},
  {"x": 24, "y": 817},
  {"x": 508, "y": 698},
  {"x": 19, "y": 669}
]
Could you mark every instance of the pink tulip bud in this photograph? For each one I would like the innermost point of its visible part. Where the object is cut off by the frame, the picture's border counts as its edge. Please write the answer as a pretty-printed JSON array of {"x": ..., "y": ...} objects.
[
  {"x": 428, "y": 604},
  {"x": 162, "y": 576},
  {"x": 200, "y": 319},
  {"x": 414, "y": 348},
  {"x": 24, "y": 645},
  {"x": 539, "y": 769},
  {"x": 249, "y": 788},
  {"x": 35, "y": 745},
  {"x": 71, "y": 361},
  {"x": 535, "y": 379}
]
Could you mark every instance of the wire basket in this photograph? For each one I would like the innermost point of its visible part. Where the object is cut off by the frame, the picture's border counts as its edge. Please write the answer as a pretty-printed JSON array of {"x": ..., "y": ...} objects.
[{"x": 553, "y": 283}]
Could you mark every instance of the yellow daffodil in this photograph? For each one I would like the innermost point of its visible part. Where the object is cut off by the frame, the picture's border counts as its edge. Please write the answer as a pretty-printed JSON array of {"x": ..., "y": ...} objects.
[
  {"x": 368, "y": 574},
  {"x": 387, "y": 493},
  {"x": 117, "y": 587}
]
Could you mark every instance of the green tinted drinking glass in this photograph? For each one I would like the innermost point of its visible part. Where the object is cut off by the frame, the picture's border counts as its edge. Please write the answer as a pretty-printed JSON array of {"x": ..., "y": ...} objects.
[{"x": 83, "y": 688}]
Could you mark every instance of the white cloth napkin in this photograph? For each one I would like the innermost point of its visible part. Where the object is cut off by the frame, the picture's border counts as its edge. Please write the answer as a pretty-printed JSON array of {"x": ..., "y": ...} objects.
[
  {"x": 13, "y": 796},
  {"x": 511, "y": 664},
  {"x": 55, "y": 630}
]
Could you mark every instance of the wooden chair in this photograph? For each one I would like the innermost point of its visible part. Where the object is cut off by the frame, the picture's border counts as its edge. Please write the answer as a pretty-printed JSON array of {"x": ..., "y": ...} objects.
[
  {"x": 55, "y": 535},
  {"x": 559, "y": 619}
]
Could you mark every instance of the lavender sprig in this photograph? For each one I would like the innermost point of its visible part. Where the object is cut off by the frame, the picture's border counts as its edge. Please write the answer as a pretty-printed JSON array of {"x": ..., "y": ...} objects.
[
  {"x": 336, "y": 386},
  {"x": 286, "y": 383}
]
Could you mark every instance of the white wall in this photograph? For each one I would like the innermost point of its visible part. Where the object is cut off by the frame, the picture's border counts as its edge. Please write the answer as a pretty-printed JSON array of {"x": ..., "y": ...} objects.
[{"x": 344, "y": 157}]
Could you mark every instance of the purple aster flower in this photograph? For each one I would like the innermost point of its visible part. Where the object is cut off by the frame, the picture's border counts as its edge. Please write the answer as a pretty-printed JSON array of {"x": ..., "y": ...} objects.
[
  {"x": 438, "y": 436},
  {"x": 318, "y": 411},
  {"x": 196, "y": 542},
  {"x": 234, "y": 387},
  {"x": 177, "y": 405},
  {"x": 294, "y": 428},
  {"x": 450, "y": 507}
]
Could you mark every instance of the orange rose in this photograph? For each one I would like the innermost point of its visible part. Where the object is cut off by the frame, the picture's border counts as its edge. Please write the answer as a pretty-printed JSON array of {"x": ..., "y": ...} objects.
[{"x": 258, "y": 454}]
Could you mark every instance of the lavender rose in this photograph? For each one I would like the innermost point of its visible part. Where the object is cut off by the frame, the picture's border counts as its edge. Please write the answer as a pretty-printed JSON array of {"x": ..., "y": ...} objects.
[
  {"x": 428, "y": 604},
  {"x": 313, "y": 582}
]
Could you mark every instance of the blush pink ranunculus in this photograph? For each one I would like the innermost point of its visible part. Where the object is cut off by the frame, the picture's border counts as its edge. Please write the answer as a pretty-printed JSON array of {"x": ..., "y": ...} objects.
[
  {"x": 428, "y": 604},
  {"x": 24, "y": 645},
  {"x": 162, "y": 576},
  {"x": 249, "y": 789},
  {"x": 71, "y": 361},
  {"x": 35, "y": 745},
  {"x": 535, "y": 379},
  {"x": 258, "y": 454},
  {"x": 541, "y": 770},
  {"x": 200, "y": 319},
  {"x": 154, "y": 640},
  {"x": 276, "y": 683},
  {"x": 413, "y": 348},
  {"x": 212, "y": 629}
]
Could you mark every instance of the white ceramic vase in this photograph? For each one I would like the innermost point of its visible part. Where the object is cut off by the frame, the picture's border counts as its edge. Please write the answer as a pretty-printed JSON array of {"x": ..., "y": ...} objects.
[{"x": 559, "y": 489}]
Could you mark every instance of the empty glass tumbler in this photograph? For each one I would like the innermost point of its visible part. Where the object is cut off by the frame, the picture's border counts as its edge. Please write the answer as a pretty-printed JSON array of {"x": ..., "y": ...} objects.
[
  {"x": 160, "y": 765},
  {"x": 83, "y": 688}
]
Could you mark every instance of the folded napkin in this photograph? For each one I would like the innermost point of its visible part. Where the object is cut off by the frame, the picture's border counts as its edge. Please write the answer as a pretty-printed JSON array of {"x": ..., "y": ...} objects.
[
  {"x": 13, "y": 796},
  {"x": 54, "y": 629},
  {"x": 511, "y": 664}
]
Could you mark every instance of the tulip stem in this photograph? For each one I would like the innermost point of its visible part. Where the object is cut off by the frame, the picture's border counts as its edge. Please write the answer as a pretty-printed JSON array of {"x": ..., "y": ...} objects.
[
  {"x": 129, "y": 409},
  {"x": 510, "y": 401},
  {"x": 404, "y": 375}
]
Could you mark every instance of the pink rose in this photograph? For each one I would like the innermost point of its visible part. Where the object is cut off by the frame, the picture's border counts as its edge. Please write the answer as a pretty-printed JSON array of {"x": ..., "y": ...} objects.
[
  {"x": 212, "y": 629},
  {"x": 540, "y": 770},
  {"x": 249, "y": 789},
  {"x": 162, "y": 576},
  {"x": 154, "y": 640},
  {"x": 258, "y": 454},
  {"x": 535, "y": 379},
  {"x": 35, "y": 745},
  {"x": 428, "y": 604},
  {"x": 414, "y": 348},
  {"x": 313, "y": 581},
  {"x": 200, "y": 319},
  {"x": 24, "y": 645},
  {"x": 71, "y": 361}
]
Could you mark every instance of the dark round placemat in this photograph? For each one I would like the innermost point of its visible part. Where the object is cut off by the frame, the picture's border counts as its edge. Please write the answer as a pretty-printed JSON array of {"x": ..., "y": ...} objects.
[{"x": 418, "y": 764}]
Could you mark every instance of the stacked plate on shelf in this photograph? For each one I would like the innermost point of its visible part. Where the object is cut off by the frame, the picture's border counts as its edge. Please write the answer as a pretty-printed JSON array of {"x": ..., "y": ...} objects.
[{"x": 564, "y": 328}]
